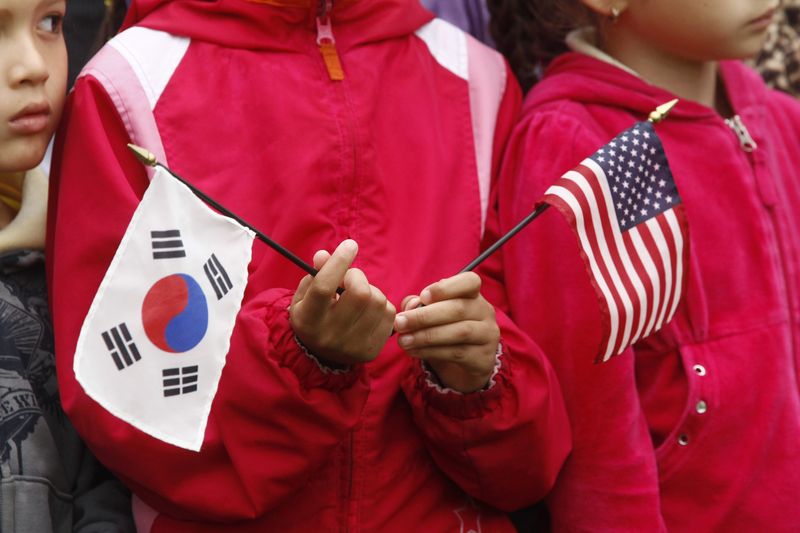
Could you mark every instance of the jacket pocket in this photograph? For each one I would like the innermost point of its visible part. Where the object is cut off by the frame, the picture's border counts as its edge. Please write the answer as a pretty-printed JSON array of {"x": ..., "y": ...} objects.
[
  {"x": 731, "y": 462},
  {"x": 700, "y": 398}
]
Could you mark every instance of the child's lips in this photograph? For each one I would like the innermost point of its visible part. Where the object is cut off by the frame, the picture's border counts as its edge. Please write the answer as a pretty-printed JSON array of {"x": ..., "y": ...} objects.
[
  {"x": 764, "y": 20},
  {"x": 34, "y": 118}
]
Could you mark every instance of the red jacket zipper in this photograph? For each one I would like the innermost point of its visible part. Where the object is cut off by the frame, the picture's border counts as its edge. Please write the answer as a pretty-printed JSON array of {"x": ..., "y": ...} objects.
[
  {"x": 768, "y": 195},
  {"x": 326, "y": 41}
]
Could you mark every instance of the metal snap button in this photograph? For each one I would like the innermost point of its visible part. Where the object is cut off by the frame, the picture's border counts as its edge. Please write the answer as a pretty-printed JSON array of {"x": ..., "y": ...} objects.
[
  {"x": 683, "y": 440},
  {"x": 701, "y": 407},
  {"x": 699, "y": 369}
]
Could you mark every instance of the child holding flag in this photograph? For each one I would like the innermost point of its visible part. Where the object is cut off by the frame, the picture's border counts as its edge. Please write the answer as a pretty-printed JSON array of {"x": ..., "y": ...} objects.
[
  {"x": 365, "y": 127},
  {"x": 50, "y": 480},
  {"x": 694, "y": 428}
]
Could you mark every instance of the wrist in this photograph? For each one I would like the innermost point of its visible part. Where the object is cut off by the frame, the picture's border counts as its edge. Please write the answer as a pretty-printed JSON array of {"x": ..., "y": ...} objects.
[
  {"x": 326, "y": 365},
  {"x": 452, "y": 376}
]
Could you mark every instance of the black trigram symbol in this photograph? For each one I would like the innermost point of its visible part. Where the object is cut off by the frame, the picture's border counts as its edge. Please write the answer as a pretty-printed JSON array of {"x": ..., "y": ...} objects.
[
  {"x": 121, "y": 346},
  {"x": 181, "y": 380},
  {"x": 218, "y": 277},
  {"x": 167, "y": 244}
]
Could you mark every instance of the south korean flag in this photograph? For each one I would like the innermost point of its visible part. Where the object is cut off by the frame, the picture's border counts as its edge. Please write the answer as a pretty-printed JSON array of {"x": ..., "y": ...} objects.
[{"x": 153, "y": 345}]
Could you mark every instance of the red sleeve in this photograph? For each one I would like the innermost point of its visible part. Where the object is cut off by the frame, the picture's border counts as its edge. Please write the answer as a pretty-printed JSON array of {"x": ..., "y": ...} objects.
[
  {"x": 252, "y": 457},
  {"x": 504, "y": 445},
  {"x": 610, "y": 481}
]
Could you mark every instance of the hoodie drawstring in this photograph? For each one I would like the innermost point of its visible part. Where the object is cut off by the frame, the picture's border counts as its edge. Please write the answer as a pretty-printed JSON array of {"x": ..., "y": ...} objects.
[{"x": 326, "y": 41}]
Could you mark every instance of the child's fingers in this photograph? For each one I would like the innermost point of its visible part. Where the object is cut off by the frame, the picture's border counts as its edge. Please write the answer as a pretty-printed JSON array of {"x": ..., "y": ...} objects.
[
  {"x": 323, "y": 287},
  {"x": 464, "y": 285},
  {"x": 410, "y": 302},
  {"x": 358, "y": 298},
  {"x": 320, "y": 258},
  {"x": 383, "y": 328},
  {"x": 440, "y": 313},
  {"x": 302, "y": 287},
  {"x": 470, "y": 332},
  {"x": 362, "y": 318}
]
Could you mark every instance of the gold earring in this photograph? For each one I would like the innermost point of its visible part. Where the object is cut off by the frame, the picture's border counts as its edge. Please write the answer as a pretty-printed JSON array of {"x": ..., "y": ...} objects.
[{"x": 615, "y": 13}]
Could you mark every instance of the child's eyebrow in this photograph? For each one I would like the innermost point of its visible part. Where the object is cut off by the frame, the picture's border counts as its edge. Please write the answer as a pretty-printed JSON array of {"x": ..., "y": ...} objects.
[
  {"x": 6, "y": 13},
  {"x": 48, "y": 3}
]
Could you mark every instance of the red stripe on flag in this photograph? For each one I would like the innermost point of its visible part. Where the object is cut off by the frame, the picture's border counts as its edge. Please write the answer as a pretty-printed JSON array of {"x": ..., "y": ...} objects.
[
  {"x": 641, "y": 271},
  {"x": 605, "y": 314},
  {"x": 669, "y": 237},
  {"x": 655, "y": 254},
  {"x": 683, "y": 225},
  {"x": 616, "y": 250},
  {"x": 594, "y": 230},
  {"x": 661, "y": 240}
]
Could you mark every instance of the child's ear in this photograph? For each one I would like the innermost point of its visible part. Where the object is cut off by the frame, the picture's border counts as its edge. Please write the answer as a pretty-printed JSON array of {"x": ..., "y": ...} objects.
[{"x": 607, "y": 8}]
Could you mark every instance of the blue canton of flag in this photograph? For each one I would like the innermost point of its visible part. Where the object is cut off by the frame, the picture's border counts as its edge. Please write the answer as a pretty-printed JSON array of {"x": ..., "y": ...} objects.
[
  {"x": 625, "y": 209},
  {"x": 636, "y": 167}
]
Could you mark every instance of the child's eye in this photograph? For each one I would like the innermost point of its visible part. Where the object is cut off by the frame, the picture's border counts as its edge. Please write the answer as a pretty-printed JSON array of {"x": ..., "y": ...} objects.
[{"x": 51, "y": 23}]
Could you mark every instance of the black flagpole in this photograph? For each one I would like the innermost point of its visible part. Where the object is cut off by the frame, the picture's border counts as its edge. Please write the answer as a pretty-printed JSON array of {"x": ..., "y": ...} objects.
[
  {"x": 150, "y": 160},
  {"x": 502, "y": 240}
]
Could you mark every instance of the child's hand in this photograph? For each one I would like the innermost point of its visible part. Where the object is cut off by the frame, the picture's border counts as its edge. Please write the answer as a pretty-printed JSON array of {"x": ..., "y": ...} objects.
[
  {"x": 455, "y": 332},
  {"x": 347, "y": 328},
  {"x": 27, "y": 228}
]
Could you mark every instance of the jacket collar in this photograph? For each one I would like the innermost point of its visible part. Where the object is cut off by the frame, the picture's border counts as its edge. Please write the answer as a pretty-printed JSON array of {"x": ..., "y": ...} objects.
[
  {"x": 279, "y": 25},
  {"x": 586, "y": 76}
]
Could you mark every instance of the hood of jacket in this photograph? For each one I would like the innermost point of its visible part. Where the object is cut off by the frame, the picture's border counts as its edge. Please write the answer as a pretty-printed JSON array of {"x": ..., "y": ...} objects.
[
  {"x": 587, "y": 80},
  {"x": 279, "y": 25}
]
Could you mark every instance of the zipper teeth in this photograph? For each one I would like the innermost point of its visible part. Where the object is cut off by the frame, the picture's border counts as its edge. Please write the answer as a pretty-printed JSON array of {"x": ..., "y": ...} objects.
[{"x": 324, "y": 7}]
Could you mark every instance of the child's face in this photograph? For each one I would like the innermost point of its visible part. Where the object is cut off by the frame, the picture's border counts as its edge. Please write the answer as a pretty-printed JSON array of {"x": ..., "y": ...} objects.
[
  {"x": 33, "y": 76},
  {"x": 703, "y": 30}
]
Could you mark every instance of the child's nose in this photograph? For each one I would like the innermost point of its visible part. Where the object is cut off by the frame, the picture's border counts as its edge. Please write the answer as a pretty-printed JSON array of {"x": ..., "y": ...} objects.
[{"x": 30, "y": 67}]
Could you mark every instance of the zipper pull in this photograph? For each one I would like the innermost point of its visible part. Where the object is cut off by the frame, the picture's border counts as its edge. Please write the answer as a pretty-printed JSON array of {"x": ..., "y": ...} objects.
[
  {"x": 764, "y": 183},
  {"x": 745, "y": 141},
  {"x": 326, "y": 41}
]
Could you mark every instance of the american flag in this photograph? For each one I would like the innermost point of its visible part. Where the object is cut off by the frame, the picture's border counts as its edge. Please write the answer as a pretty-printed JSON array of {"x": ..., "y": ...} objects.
[{"x": 625, "y": 209}]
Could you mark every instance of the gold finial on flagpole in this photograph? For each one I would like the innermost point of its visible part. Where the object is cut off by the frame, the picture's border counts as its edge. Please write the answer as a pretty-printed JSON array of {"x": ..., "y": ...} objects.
[
  {"x": 662, "y": 111},
  {"x": 143, "y": 155}
]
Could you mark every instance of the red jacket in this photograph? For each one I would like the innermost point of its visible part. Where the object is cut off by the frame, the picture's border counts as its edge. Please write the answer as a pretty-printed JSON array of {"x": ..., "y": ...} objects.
[
  {"x": 696, "y": 428},
  {"x": 398, "y": 155}
]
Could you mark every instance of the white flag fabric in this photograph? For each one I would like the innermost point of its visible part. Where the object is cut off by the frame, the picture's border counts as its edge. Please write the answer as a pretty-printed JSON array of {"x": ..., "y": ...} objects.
[{"x": 153, "y": 345}]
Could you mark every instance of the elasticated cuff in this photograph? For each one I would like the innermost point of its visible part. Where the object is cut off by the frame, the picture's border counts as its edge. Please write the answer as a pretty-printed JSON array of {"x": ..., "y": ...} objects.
[
  {"x": 458, "y": 404},
  {"x": 310, "y": 371}
]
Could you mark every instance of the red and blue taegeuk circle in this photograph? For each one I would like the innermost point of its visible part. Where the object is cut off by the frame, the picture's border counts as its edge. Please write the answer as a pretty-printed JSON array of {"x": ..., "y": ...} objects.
[{"x": 175, "y": 313}]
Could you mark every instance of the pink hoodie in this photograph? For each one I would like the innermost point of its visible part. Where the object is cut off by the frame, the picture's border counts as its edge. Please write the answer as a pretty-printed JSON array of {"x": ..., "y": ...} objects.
[{"x": 696, "y": 428}]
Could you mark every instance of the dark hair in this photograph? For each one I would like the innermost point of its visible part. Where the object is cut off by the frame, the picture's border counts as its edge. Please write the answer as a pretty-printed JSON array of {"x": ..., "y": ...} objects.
[
  {"x": 530, "y": 33},
  {"x": 112, "y": 20}
]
